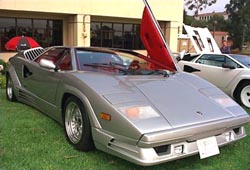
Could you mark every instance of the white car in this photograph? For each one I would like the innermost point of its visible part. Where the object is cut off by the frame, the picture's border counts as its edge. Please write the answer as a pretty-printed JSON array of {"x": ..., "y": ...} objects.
[{"x": 229, "y": 72}]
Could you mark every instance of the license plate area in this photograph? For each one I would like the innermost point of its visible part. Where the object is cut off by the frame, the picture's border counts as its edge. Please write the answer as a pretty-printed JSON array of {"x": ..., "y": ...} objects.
[{"x": 208, "y": 147}]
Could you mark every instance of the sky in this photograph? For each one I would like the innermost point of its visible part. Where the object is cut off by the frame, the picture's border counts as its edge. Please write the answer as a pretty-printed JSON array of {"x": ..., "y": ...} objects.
[{"x": 219, "y": 6}]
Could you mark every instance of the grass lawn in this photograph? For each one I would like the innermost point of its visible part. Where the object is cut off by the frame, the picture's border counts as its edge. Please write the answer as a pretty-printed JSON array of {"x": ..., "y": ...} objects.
[{"x": 29, "y": 140}]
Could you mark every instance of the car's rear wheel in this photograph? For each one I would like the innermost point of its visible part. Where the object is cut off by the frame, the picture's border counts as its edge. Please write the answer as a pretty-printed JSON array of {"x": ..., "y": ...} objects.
[
  {"x": 10, "y": 95},
  {"x": 77, "y": 125},
  {"x": 243, "y": 94}
]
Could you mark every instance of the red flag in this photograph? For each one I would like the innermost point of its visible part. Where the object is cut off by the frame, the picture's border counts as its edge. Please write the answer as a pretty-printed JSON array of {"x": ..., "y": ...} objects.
[{"x": 154, "y": 42}]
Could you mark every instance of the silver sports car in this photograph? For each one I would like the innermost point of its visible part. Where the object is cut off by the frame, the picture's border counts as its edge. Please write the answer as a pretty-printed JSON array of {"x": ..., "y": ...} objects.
[{"x": 130, "y": 105}]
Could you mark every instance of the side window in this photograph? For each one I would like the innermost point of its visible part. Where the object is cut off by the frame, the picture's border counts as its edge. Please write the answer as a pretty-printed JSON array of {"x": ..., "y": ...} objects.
[
  {"x": 232, "y": 63},
  {"x": 65, "y": 63},
  {"x": 53, "y": 54},
  {"x": 59, "y": 56},
  {"x": 212, "y": 60}
]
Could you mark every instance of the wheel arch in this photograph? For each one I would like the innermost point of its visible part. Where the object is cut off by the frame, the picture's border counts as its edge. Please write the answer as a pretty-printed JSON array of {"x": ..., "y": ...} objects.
[
  {"x": 243, "y": 81},
  {"x": 81, "y": 97}
]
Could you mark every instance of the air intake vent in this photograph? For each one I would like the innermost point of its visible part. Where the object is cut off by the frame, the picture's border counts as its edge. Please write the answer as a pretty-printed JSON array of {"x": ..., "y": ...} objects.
[
  {"x": 32, "y": 54},
  {"x": 162, "y": 150}
]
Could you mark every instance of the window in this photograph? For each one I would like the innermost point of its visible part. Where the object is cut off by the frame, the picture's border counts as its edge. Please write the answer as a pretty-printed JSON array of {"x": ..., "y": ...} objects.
[
  {"x": 128, "y": 33},
  {"x": 45, "y": 32},
  {"x": 59, "y": 56},
  {"x": 216, "y": 60},
  {"x": 95, "y": 34},
  {"x": 7, "y": 31},
  {"x": 106, "y": 34},
  {"x": 212, "y": 60},
  {"x": 116, "y": 35},
  {"x": 24, "y": 27},
  {"x": 230, "y": 62}
]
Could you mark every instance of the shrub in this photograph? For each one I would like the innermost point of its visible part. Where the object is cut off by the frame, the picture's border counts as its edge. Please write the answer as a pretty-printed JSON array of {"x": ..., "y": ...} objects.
[
  {"x": 2, "y": 82},
  {"x": 2, "y": 66}
]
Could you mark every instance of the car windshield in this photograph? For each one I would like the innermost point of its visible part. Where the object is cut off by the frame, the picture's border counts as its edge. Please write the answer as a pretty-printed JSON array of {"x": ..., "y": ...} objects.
[
  {"x": 116, "y": 62},
  {"x": 243, "y": 59}
]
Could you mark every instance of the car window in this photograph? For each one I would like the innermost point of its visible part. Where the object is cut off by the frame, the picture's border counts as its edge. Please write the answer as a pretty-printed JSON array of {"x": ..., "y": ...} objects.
[
  {"x": 59, "y": 56},
  {"x": 212, "y": 60},
  {"x": 243, "y": 59},
  {"x": 65, "y": 63},
  {"x": 230, "y": 62},
  {"x": 116, "y": 62},
  {"x": 216, "y": 60}
]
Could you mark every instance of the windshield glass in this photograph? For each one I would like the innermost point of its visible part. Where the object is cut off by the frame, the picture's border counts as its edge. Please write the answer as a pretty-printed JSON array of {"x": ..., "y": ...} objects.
[
  {"x": 116, "y": 62},
  {"x": 243, "y": 59}
]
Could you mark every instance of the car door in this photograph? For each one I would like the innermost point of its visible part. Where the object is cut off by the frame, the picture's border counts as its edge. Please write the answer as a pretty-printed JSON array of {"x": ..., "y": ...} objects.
[
  {"x": 43, "y": 82},
  {"x": 218, "y": 69}
]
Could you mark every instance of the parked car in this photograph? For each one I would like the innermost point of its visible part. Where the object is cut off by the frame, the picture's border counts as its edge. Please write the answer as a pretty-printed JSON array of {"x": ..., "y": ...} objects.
[
  {"x": 125, "y": 103},
  {"x": 229, "y": 72}
]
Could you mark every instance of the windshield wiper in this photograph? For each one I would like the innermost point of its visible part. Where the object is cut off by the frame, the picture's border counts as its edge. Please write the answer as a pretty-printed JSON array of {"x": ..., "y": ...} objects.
[
  {"x": 107, "y": 65},
  {"x": 157, "y": 72},
  {"x": 117, "y": 64}
]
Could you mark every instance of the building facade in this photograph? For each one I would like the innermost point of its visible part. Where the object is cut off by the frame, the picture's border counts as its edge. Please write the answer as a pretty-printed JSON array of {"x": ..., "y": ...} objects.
[
  {"x": 208, "y": 16},
  {"x": 103, "y": 23}
]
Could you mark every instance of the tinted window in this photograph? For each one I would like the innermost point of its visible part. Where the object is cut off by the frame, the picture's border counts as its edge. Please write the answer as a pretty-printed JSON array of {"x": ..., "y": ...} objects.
[
  {"x": 216, "y": 60},
  {"x": 59, "y": 56},
  {"x": 45, "y": 32},
  {"x": 7, "y": 31},
  {"x": 116, "y": 35},
  {"x": 212, "y": 60},
  {"x": 115, "y": 62},
  {"x": 243, "y": 59}
]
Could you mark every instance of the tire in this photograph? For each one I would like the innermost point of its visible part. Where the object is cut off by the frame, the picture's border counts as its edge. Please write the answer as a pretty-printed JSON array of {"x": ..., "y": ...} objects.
[
  {"x": 77, "y": 125},
  {"x": 10, "y": 94},
  {"x": 242, "y": 94}
]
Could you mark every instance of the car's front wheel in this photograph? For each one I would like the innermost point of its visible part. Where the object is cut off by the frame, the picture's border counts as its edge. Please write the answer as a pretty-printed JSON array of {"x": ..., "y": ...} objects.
[
  {"x": 77, "y": 125},
  {"x": 10, "y": 95},
  {"x": 243, "y": 94}
]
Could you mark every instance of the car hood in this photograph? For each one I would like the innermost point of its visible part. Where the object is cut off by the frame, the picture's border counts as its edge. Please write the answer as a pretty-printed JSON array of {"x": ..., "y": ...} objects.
[
  {"x": 180, "y": 100},
  {"x": 202, "y": 40}
]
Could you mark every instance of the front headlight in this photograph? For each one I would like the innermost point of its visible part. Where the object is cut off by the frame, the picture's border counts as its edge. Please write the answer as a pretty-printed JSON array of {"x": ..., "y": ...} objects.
[{"x": 139, "y": 113}]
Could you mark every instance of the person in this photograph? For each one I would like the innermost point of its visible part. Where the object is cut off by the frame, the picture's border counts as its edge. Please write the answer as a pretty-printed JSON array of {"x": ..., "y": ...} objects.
[
  {"x": 226, "y": 49},
  {"x": 134, "y": 65}
]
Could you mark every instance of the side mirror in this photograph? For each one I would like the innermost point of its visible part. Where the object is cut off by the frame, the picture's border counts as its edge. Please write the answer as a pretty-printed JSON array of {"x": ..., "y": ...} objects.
[
  {"x": 190, "y": 69},
  {"x": 224, "y": 65},
  {"x": 48, "y": 64}
]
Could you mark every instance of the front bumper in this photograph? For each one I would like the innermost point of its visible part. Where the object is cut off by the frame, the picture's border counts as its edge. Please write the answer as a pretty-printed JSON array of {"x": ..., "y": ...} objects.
[{"x": 165, "y": 146}]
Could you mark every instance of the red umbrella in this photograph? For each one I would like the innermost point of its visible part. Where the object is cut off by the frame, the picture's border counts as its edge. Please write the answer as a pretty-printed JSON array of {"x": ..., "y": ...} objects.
[{"x": 21, "y": 43}]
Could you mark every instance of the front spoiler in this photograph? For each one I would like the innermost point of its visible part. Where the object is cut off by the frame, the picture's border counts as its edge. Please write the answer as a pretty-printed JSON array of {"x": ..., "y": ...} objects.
[{"x": 148, "y": 153}]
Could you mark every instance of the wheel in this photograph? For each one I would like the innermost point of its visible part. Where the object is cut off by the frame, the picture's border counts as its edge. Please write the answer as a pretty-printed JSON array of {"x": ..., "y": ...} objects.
[
  {"x": 242, "y": 94},
  {"x": 77, "y": 125},
  {"x": 10, "y": 95}
]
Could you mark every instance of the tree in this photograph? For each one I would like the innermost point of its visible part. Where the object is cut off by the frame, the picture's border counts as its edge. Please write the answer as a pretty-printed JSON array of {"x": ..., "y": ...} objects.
[
  {"x": 217, "y": 23},
  {"x": 198, "y": 5},
  {"x": 239, "y": 16},
  {"x": 187, "y": 19}
]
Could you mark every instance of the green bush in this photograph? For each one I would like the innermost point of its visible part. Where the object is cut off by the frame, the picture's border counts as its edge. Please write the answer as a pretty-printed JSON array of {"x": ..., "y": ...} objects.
[
  {"x": 2, "y": 82},
  {"x": 3, "y": 63}
]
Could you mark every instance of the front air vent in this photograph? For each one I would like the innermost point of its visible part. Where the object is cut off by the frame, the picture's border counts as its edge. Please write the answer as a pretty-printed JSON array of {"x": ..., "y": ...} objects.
[
  {"x": 237, "y": 131},
  {"x": 163, "y": 150}
]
